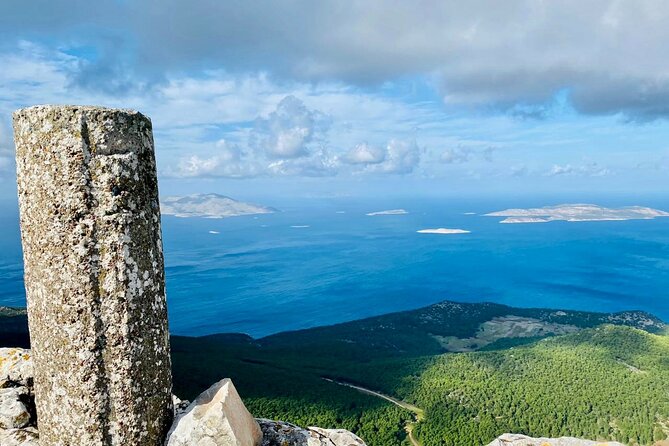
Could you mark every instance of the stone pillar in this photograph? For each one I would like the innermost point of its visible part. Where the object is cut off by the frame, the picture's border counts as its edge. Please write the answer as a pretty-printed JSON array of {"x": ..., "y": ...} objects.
[{"x": 94, "y": 275}]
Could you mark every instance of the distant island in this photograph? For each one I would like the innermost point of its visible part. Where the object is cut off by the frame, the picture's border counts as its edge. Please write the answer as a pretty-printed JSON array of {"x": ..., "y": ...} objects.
[
  {"x": 577, "y": 213},
  {"x": 388, "y": 212},
  {"x": 443, "y": 231},
  {"x": 209, "y": 206}
]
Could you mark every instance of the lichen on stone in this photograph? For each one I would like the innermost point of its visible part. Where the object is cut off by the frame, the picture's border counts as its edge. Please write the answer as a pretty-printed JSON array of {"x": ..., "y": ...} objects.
[{"x": 94, "y": 274}]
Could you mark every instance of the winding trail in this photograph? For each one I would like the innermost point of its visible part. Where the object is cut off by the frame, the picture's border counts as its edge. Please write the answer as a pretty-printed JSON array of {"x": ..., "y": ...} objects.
[{"x": 419, "y": 414}]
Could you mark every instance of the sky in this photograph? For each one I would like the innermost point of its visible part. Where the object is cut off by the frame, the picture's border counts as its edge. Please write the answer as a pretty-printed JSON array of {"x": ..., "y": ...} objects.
[{"x": 344, "y": 98}]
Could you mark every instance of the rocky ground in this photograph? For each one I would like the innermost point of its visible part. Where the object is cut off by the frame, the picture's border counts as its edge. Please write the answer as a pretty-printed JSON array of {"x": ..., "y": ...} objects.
[
  {"x": 220, "y": 407},
  {"x": 522, "y": 440}
]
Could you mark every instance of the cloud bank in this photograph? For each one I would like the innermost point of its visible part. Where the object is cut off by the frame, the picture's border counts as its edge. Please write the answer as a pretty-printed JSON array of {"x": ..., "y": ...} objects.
[{"x": 603, "y": 56}]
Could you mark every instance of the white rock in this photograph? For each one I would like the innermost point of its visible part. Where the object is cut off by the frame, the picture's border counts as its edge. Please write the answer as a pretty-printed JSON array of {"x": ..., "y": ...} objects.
[
  {"x": 180, "y": 406},
  {"x": 16, "y": 365},
  {"x": 338, "y": 437},
  {"x": 217, "y": 417},
  {"x": 19, "y": 437},
  {"x": 523, "y": 440},
  {"x": 13, "y": 412},
  {"x": 280, "y": 433}
]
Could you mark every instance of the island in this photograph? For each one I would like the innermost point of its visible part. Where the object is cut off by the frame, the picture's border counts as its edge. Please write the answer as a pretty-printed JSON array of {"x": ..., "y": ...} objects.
[
  {"x": 209, "y": 206},
  {"x": 577, "y": 213},
  {"x": 388, "y": 212},
  {"x": 443, "y": 231}
]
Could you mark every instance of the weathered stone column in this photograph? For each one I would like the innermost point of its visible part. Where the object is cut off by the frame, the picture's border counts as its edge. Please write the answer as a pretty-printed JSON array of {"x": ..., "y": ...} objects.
[{"x": 94, "y": 274}]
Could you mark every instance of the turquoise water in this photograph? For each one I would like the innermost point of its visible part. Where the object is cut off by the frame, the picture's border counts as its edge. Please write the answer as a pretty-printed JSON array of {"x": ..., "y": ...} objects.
[{"x": 260, "y": 275}]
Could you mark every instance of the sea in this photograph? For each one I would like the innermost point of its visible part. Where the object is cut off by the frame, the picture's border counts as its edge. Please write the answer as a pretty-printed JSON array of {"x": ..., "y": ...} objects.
[{"x": 322, "y": 261}]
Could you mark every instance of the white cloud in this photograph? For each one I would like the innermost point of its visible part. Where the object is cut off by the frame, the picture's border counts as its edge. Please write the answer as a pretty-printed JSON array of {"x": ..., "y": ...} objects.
[
  {"x": 402, "y": 157},
  {"x": 319, "y": 164},
  {"x": 288, "y": 131},
  {"x": 319, "y": 134},
  {"x": 364, "y": 153},
  {"x": 592, "y": 169},
  {"x": 514, "y": 55},
  {"x": 229, "y": 161}
]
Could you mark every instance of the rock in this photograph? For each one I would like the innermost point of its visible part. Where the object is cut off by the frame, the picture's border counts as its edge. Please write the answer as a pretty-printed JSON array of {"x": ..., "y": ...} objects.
[
  {"x": 94, "y": 275},
  {"x": 14, "y": 412},
  {"x": 523, "y": 440},
  {"x": 217, "y": 417},
  {"x": 280, "y": 433},
  {"x": 19, "y": 437},
  {"x": 180, "y": 405},
  {"x": 338, "y": 437},
  {"x": 16, "y": 366}
]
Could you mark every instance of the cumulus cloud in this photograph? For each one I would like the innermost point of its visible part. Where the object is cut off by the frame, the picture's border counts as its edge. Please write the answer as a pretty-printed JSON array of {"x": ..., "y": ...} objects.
[
  {"x": 286, "y": 142},
  {"x": 287, "y": 131},
  {"x": 402, "y": 157},
  {"x": 229, "y": 161},
  {"x": 364, "y": 153}
]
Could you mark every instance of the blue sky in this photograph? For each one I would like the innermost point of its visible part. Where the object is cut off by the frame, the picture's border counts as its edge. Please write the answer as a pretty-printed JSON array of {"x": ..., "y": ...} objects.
[{"x": 337, "y": 98}]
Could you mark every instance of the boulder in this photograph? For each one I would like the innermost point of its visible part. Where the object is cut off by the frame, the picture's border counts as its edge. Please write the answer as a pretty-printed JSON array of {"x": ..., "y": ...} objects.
[
  {"x": 16, "y": 366},
  {"x": 13, "y": 410},
  {"x": 217, "y": 417},
  {"x": 280, "y": 433},
  {"x": 523, "y": 440},
  {"x": 336, "y": 437},
  {"x": 19, "y": 437}
]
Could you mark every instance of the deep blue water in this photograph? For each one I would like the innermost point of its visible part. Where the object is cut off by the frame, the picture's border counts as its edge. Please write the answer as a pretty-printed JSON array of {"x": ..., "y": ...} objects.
[{"x": 260, "y": 275}]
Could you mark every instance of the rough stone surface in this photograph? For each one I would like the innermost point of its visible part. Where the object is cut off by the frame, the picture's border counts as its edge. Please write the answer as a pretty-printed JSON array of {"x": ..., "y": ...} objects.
[
  {"x": 14, "y": 412},
  {"x": 94, "y": 275},
  {"x": 16, "y": 366},
  {"x": 217, "y": 417},
  {"x": 280, "y": 433},
  {"x": 522, "y": 440},
  {"x": 19, "y": 437},
  {"x": 180, "y": 405},
  {"x": 337, "y": 437}
]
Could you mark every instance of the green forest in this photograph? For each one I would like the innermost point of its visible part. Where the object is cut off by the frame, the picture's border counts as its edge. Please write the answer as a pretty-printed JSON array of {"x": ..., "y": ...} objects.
[
  {"x": 608, "y": 383},
  {"x": 607, "y": 379}
]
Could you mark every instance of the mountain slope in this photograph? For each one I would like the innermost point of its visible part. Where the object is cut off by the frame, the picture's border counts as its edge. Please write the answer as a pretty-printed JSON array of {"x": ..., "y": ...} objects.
[
  {"x": 610, "y": 382},
  {"x": 532, "y": 371}
]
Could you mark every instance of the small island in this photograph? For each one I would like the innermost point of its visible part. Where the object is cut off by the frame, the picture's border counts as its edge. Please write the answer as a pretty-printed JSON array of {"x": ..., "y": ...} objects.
[
  {"x": 388, "y": 212},
  {"x": 577, "y": 213},
  {"x": 443, "y": 231}
]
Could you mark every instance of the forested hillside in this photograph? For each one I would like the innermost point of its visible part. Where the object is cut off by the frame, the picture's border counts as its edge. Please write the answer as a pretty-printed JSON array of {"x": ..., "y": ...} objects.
[
  {"x": 600, "y": 381},
  {"x": 477, "y": 370},
  {"x": 606, "y": 383}
]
